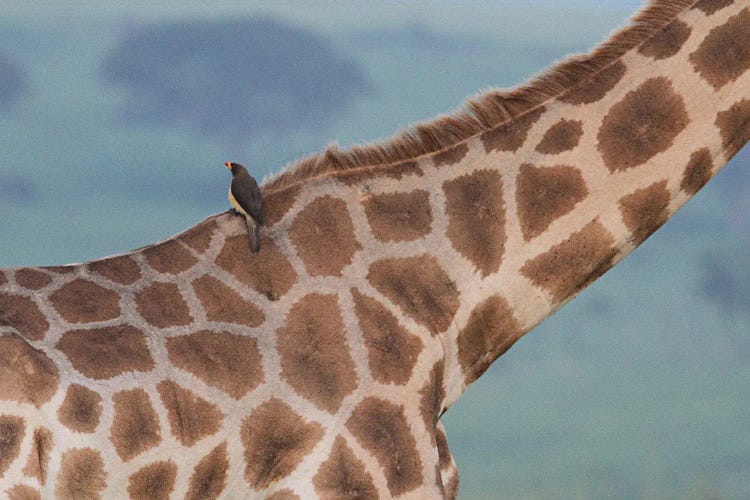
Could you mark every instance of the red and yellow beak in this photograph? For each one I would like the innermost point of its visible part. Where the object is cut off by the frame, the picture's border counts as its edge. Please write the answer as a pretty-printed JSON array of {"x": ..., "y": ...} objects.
[{"x": 228, "y": 165}]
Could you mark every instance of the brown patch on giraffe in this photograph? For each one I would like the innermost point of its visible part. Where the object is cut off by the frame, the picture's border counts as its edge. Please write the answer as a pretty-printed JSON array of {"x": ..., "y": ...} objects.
[
  {"x": 81, "y": 475},
  {"x": 644, "y": 123},
  {"x": 122, "y": 269},
  {"x": 155, "y": 481},
  {"x": 734, "y": 126},
  {"x": 267, "y": 271},
  {"x": 315, "y": 357},
  {"x": 11, "y": 434},
  {"x": 32, "y": 279},
  {"x": 511, "y": 135},
  {"x": 135, "y": 427},
  {"x": 399, "y": 216},
  {"x": 60, "y": 269},
  {"x": 221, "y": 303},
  {"x": 199, "y": 237},
  {"x": 162, "y": 305},
  {"x": 392, "y": 350},
  {"x": 397, "y": 171},
  {"x": 490, "y": 331},
  {"x": 82, "y": 301},
  {"x": 667, "y": 42},
  {"x": 595, "y": 87},
  {"x": 431, "y": 398},
  {"x": 322, "y": 225},
  {"x": 451, "y": 156},
  {"x": 381, "y": 428},
  {"x": 169, "y": 257},
  {"x": 276, "y": 205},
  {"x": 210, "y": 475},
  {"x": 36, "y": 465},
  {"x": 285, "y": 494},
  {"x": 444, "y": 454},
  {"x": 712, "y": 6},
  {"x": 81, "y": 409},
  {"x": 562, "y": 136},
  {"x": 23, "y": 492},
  {"x": 697, "y": 172},
  {"x": 451, "y": 488},
  {"x": 22, "y": 314},
  {"x": 27, "y": 374},
  {"x": 724, "y": 54},
  {"x": 102, "y": 353},
  {"x": 276, "y": 439},
  {"x": 3, "y": 279},
  {"x": 645, "y": 210},
  {"x": 191, "y": 418},
  {"x": 343, "y": 475},
  {"x": 420, "y": 287},
  {"x": 544, "y": 194},
  {"x": 572, "y": 265},
  {"x": 223, "y": 360},
  {"x": 476, "y": 218}
]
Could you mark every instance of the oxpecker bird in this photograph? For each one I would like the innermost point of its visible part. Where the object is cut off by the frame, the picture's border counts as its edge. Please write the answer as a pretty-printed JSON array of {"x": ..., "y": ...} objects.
[{"x": 245, "y": 198}]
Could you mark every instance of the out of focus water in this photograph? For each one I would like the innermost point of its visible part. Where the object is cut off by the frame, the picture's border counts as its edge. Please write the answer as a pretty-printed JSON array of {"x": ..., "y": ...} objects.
[{"x": 115, "y": 122}]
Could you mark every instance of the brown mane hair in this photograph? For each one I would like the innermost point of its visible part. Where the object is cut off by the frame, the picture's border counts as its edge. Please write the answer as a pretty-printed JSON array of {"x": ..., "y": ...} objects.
[{"x": 488, "y": 109}]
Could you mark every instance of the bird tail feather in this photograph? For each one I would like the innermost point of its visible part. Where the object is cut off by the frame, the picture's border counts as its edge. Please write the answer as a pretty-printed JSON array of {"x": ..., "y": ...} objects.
[{"x": 253, "y": 233}]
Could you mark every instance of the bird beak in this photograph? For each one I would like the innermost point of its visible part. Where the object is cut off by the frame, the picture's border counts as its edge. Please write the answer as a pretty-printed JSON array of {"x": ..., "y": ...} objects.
[{"x": 228, "y": 165}]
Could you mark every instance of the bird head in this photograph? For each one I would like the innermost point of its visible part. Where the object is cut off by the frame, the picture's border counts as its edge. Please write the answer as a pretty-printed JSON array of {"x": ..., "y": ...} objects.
[{"x": 235, "y": 168}]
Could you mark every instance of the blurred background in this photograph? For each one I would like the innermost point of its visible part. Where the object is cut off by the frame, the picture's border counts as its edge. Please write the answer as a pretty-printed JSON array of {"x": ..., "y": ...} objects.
[{"x": 115, "y": 121}]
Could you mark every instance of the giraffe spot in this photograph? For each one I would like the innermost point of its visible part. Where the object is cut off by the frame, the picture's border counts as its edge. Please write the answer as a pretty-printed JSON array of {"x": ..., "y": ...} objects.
[
  {"x": 724, "y": 54},
  {"x": 490, "y": 331},
  {"x": 431, "y": 398},
  {"x": 476, "y": 218},
  {"x": 82, "y": 301},
  {"x": 276, "y": 439},
  {"x": 667, "y": 42},
  {"x": 223, "y": 360},
  {"x": 398, "y": 171},
  {"x": 285, "y": 494},
  {"x": 81, "y": 409},
  {"x": 544, "y": 194},
  {"x": 595, "y": 87},
  {"x": 3, "y": 279},
  {"x": 169, "y": 257},
  {"x": 276, "y": 205},
  {"x": 135, "y": 427},
  {"x": 11, "y": 435},
  {"x": 392, "y": 350},
  {"x": 644, "y": 123},
  {"x": 27, "y": 374},
  {"x": 697, "y": 171},
  {"x": 381, "y": 428},
  {"x": 23, "y": 492},
  {"x": 153, "y": 482},
  {"x": 572, "y": 265},
  {"x": 420, "y": 287},
  {"x": 32, "y": 279},
  {"x": 221, "y": 303},
  {"x": 322, "y": 225},
  {"x": 510, "y": 135},
  {"x": 36, "y": 465},
  {"x": 162, "y": 305},
  {"x": 451, "y": 488},
  {"x": 343, "y": 475},
  {"x": 712, "y": 6},
  {"x": 103, "y": 353},
  {"x": 267, "y": 271},
  {"x": 734, "y": 126},
  {"x": 444, "y": 454},
  {"x": 210, "y": 475},
  {"x": 81, "y": 475},
  {"x": 315, "y": 357},
  {"x": 451, "y": 155},
  {"x": 399, "y": 216},
  {"x": 562, "y": 136},
  {"x": 22, "y": 314},
  {"x": 645, "y": 210},
  {"x": 199, "y": 237},
  {"x": 123, "y": 269},
  {"x": 191, "y": 418},
  {"x": 60, "y": 269}
]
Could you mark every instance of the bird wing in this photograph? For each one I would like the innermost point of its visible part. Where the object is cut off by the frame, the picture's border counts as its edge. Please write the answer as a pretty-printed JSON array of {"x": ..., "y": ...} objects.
[{"x": 247, "y": 194}]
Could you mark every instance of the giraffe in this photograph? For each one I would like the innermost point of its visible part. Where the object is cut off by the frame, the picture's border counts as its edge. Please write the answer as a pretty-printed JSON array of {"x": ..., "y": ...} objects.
[{"x": 391, "y": 276}]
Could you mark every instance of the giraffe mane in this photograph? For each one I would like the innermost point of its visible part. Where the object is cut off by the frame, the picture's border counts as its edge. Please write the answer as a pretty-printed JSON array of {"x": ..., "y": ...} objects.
[{"x": 486, "y": 110}]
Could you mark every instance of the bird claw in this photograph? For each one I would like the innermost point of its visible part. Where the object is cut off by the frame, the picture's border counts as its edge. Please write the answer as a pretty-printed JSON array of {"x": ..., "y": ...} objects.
[{"x": 234, "y": 211}]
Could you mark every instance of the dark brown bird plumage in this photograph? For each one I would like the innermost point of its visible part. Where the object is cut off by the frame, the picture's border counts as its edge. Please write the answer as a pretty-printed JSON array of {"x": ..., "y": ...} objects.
[{"x": 245, "y": 198}]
